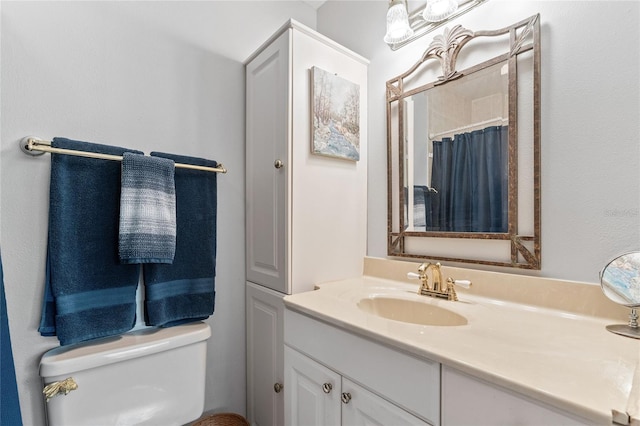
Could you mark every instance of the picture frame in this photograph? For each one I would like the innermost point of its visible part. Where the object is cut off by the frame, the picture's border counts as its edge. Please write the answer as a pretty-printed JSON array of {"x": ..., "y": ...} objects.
[{"x": 335, "y": 116}]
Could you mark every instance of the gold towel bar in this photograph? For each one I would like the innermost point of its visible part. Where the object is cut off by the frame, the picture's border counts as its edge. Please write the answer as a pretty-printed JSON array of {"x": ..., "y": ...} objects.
[{"x": 34, "y": 146}]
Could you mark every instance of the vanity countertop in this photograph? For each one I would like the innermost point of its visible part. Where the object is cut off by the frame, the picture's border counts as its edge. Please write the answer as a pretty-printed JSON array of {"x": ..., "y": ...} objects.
[{"x": 561, "y": 358}]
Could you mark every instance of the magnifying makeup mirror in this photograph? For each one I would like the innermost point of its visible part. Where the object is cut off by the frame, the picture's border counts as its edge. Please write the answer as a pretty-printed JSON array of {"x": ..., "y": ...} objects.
[{"x": 620, "y": 282}]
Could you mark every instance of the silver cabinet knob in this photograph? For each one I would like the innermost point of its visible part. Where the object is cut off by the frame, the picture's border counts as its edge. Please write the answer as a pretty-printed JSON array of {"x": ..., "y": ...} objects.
[
  {"x": 326, "y": 388},
  {"x": 346, "y": 397},
  {"x": 278, "y": 164},
  {"x": 278, "y": 387}
]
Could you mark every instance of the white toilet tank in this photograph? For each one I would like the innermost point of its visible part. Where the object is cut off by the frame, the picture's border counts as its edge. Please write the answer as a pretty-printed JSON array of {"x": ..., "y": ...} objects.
[{"x": 145, "y": 377}]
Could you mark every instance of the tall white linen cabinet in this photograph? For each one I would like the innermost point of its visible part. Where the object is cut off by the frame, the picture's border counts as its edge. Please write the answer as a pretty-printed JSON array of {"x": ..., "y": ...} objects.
[{"x": 306, "y": 213}]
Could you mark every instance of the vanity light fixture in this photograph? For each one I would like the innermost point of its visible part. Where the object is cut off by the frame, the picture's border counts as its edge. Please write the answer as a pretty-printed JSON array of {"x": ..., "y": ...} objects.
[
  {"x": 398, "y": 29},
  {"x": 437, "y": 10},
  {"x": 423, "y": 20}
]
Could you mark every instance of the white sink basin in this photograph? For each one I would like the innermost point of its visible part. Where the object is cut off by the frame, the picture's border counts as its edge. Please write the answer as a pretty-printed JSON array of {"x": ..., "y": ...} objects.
[{"x": 411, "y": 311}]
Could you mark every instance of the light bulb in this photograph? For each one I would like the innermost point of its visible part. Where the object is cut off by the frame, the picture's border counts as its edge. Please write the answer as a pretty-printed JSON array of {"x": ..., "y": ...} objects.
[
  {"x": 398, "y": 28},
  {"x": 437, "y": 10}
]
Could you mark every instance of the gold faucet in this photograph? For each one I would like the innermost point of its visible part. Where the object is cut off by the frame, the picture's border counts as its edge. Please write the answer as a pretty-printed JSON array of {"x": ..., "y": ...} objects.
[{"x": 446, "y": 291}]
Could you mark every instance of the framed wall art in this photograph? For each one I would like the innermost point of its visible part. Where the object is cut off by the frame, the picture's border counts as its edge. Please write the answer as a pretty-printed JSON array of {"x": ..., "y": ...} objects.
[{"x": 335, "y": 116}]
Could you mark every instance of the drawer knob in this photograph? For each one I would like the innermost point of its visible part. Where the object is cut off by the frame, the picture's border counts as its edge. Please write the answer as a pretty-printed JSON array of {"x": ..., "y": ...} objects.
[
  {"x": 326, "y": 388},
  {"x": 278, "y": 387},
  {"x": 346, "y": 397},
  {"x": 278, "y": 164}
]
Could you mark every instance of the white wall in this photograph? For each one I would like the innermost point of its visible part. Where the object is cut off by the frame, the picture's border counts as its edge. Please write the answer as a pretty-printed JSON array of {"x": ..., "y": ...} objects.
[
  {"x": 590, "y": 120},
  {"x": 148, "y": 75}
]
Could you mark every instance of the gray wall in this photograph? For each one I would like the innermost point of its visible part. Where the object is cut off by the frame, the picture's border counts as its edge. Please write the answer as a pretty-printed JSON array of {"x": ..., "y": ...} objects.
[
  {"x": 590, "y": 120},
  {"x": 148, "y": 75}
]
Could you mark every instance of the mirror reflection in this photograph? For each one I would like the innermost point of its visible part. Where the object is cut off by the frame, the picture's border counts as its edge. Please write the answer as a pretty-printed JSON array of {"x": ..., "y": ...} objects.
[
  {"x": 457, "y": 163},
  {"x": 620, "y": 279},
  {"x": 464, "y": 149},
  {"x": 620, "y": 282}
]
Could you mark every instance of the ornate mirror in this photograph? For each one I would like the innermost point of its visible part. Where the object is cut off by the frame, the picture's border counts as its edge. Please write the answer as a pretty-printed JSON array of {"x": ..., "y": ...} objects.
[{"x": 463, "y": 149}]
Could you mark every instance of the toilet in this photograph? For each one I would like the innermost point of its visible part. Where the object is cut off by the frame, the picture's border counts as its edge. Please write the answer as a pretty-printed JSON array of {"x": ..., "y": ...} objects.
[{"x": 153, "y": 376}]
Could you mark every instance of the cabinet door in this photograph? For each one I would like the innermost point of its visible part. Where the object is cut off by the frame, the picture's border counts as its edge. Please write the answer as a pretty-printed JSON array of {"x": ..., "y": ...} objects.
[
  {"x": 467, "y": 400},
  {"x": 267, "y": 136},
  {"x": 265, "y": 358},
  {"x": 311, "y": 392},
  {"x": 363, "y": 408}
]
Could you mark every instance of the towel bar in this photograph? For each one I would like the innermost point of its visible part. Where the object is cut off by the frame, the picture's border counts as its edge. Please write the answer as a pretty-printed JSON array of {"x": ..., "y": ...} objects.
[{"x": 34, "y": 146}]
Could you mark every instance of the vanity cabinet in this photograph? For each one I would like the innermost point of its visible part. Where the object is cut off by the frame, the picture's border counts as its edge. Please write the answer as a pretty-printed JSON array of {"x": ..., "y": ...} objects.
[
  {"x": 319, "y": 396},
  {"x": 335, "y": 377},
  {"x": 388, "y": 386},
  {"x": 305, "y": 213}
]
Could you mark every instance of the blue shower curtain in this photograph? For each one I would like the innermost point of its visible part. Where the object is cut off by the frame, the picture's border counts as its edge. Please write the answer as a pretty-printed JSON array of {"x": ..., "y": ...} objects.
[
  {"x": 470, "y": 173},
  {"x": 9, "y": 405}
]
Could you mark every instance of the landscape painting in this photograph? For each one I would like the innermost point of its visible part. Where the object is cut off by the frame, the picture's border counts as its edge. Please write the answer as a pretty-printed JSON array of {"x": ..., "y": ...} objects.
[{"x": 335, "y": 114}]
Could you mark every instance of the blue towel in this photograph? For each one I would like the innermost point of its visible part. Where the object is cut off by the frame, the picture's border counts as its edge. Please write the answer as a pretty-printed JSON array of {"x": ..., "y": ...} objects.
[
  {"x": 147, "y": 210},
  {"x": 419, "y": 195},
  {"x": 9, "y": 404},
  {"x": 88, "y": 293},
  {"x": 185, "y": 290}
]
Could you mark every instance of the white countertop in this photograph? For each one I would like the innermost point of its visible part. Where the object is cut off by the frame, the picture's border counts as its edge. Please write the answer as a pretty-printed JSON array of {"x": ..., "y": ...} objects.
[{"x": 567, "y": 360}]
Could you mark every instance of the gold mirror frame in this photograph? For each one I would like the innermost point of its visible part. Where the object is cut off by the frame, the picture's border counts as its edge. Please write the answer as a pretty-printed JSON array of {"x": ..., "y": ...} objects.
[{"x": 521, "y": 249}]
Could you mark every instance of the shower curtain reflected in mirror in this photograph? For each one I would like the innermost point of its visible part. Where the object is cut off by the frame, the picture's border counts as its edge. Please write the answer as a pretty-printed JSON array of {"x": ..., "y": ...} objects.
[{"x": 470, "y": 174}]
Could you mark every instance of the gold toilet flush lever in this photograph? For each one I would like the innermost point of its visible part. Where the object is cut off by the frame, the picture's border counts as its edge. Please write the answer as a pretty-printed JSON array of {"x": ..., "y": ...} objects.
[
  {"x": 438, "y": 289},
  {"x": 62, "y": 387}
]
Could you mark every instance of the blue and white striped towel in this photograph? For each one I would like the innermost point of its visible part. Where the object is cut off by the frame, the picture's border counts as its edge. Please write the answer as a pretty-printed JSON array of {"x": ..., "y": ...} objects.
[{"x": 147, "y": 210}]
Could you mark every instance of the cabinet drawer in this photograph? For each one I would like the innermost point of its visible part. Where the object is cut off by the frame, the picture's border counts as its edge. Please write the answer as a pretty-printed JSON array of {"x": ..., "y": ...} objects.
[{"x": 409, "y": 382}]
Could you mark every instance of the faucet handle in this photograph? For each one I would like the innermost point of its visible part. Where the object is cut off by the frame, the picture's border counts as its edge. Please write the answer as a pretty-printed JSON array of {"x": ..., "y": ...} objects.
[
  {"x": 461, "y": 283},
  {"x": 422, "y": 276},
  {"x": 451, "y": 291}
]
